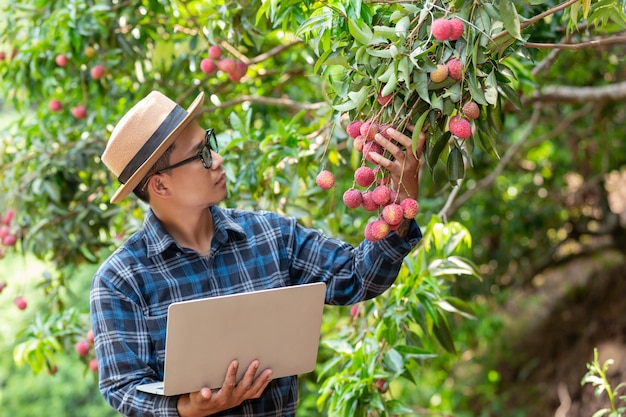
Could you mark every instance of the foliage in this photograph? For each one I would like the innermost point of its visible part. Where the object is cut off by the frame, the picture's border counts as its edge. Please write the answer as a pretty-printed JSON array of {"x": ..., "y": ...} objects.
[
  {"x": 311, "y": 68},
  {"x": 597, "y": 377}
]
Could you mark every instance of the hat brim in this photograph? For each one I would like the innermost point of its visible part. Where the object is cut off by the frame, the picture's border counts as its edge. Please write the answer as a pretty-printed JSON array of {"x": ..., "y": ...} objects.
[{"x": 126, "y": 188}]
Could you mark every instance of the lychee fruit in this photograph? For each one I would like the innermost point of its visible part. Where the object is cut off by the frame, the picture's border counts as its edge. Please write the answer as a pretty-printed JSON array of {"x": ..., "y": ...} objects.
[
  {"x": 364, "y": 176},
  {"x": 381, "y": 195},
  {"x": 354, "y": 128},
  {"x": 90, "y": 337},
  {"x": 8, "y": 217},
  {"x": 372, "y": 147},
  {"x": 376, "y": 230},
  {"x": 93, "y": 365},
  {"x": 460, "y": 127},
  {"x": 20, "y": 302},
  {"x": 368, "y": 203},
  {"x": 355, "y": 311},
  {"x": 358, "y": 143},
  {"x": 227, "y": 65},
  {"x": 55, "y": 105},
  {"x": 368, "y": 130},
  {"x": 90, "y": 52},
  {"x": 240, "y": 70},
  {"x": 3, "y": 56},
  {"x": 325, "y": 179},
  {"x": 4, "y": 231},
  {"x": 61, "y": 60},
  {"x": 441, "y": 29},
  {"x": 455, "y": 69},
  {"x": 352, "y": 198},
  {"x": 79, "y": 112},
  {"x": 207, "y": 66},
  {"x": 215, "y": 52},
  {"x": 456, "y": 28},
  {"x": 393, "y": 214},
  {"x": 471, "y": 110},
  {"x": 440, "y": 74},
  {"x": 97, "y": 72},
  {"x": 82, "y": 347},
  {"x": 9, "y": 240},
  {"x": 384, "y": 100},
  {"x": 410, "y": 208}
]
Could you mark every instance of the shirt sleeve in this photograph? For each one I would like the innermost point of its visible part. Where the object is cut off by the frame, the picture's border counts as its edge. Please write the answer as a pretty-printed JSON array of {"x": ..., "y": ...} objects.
[
  {"x": 351, "y": 274},
  {"x": 124, "y": 352}
]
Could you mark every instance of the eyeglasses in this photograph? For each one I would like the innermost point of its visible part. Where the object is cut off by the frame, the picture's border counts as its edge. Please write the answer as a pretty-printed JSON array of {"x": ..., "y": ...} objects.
[{"x": 204, "y": 155}]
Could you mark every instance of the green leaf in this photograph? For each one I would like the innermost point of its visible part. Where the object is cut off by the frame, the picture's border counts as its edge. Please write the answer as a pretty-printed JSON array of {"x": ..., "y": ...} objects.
[
  {"x": 440, "y": 144},
  {"x": 456, "y": 167},
  {"x": 442, "y": 333},
  {"x": 456, "y": 305},
  {"x": 510, "y": 18}
]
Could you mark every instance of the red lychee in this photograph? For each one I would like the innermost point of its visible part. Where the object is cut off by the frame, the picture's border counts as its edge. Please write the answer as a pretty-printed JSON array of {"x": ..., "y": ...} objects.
[
  {"x": 376, "y": 230},
  {"x": 8, "y": 217},
  {"x": 55, "y": 105},
  {"x": 382, "y": 385},
  {"x": 325, "y": 179},
  {"x": 61, "y": 60},
  {"x": 20, "y": 302},
  {"x": 368, "y": 130},
  {"x": 352, "y": 198},
  {"x": 93, "y": 365},
  {"x": 440, "y": 74},
  {"x": 3, "y": 56},
  {"x": 82, "y": 347},
  {"x": 364, "y": 176},
  {"x": 215, "y": 52},
  {"x": 384, "y": 100},
  {"x": 393, "y": 214},
  {"x": 372, "y": 147},
  {"x": 97, "y": 72},
  {"x": 355, "y": 311},
  {"x": 207, "y": 66},
  {"x": 79, "y": 112},
  {"x": 441, "y": 29},
  {"x": 89, "y": 336},
  {"x": 456, "y": 28},
  {"x": 9, "y": 240},
  {"x": 455, "y": 69},
  {"x": 227, "y": 65},
  {"x": 358, "y": 143},
  {"x": 460, "y": 127},
  {"x": 471, "y": 110},
  {"x": 410, "y": 208},
  {"x": 240, "y": 70},
  {"x": 4, "y": 231},
  {"x": 353, "y": 128},
  {"x": 381, "y": 194},
  {"x": 368, "y": 203}
]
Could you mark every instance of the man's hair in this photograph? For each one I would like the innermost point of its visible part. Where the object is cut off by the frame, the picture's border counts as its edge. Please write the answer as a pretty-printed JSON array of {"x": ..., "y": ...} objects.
[{"x": 141, "y": 190}]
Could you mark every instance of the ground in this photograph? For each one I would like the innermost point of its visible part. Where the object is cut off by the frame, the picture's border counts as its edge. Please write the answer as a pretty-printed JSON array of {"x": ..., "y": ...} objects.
[{"x": 568, "y": 312}]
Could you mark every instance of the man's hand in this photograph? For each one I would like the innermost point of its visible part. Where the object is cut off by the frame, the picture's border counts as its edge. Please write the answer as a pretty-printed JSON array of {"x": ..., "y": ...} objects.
[
  {"x": 206, "y": 401},
  {"x": 404, "y": 167}
]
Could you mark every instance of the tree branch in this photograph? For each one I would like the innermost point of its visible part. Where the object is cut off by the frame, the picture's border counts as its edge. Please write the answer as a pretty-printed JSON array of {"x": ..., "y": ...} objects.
[
  {"x": 271, "y": 101},
  {"x": 613, "y": 40},
  {"x": 568, "y": 94},
  {"x": 540, "y": 16}
]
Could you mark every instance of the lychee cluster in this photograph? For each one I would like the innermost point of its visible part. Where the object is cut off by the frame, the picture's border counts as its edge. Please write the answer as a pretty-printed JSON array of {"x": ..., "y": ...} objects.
[
  {"x": 234, "y": 68},
  {"x": 373, "y": 193},
  {"x": 7, "y": 237},
  {"x": 447, "y": 29},
  {"x": 97, "y": 72}
]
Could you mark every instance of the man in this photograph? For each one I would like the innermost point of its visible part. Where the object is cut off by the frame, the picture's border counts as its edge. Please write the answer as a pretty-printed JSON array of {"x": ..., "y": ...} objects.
[{"x": 190, "y": 248}]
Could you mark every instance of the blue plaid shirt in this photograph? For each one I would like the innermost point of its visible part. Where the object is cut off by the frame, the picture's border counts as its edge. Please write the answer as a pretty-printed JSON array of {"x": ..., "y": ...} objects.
[{"x": 250, "y": 251}]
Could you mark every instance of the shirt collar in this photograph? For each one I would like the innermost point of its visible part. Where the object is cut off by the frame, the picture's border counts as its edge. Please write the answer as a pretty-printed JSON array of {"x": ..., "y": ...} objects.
[{"x": 157, "y": 239}]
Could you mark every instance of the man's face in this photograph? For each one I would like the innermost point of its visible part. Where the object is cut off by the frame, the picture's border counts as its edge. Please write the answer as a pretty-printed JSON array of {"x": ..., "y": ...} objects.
[{"x": 192, "y": 184}]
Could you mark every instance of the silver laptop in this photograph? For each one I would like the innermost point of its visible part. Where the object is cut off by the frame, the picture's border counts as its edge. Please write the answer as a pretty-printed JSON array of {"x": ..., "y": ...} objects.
[{"x": 280, "y": 327}]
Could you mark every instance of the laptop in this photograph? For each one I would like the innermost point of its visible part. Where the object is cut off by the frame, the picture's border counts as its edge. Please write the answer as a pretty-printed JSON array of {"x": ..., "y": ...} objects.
[{"x": 280, "y": 327}]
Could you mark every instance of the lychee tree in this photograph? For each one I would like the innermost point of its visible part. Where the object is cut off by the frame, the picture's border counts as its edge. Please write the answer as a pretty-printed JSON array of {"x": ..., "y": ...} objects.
[{"x": 285, "y": 82}]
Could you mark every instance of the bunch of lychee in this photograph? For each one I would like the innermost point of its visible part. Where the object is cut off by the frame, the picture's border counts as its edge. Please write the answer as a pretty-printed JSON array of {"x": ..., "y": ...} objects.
[
  {"x": 7, "y": 237},
  {"x": 371, "y": 188},
  {"x": 444, "y": 29},
  {"x": 234, "y": 68}
]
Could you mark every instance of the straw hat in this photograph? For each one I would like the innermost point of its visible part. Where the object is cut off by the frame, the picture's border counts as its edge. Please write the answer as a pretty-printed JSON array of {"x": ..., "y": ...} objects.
[{"x": 142, "y": 136}]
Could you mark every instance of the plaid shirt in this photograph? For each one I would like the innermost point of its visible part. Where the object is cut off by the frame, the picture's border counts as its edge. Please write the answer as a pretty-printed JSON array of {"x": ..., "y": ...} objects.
[{"x": 250, "y": 251}]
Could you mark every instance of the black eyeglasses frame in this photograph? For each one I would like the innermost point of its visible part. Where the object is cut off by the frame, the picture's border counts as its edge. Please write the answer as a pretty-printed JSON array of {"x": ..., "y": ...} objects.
[{"x": 204, "y": 155}]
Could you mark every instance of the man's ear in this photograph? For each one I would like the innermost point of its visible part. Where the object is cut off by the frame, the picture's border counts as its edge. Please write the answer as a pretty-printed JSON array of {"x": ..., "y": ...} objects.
[{"x": 158, "y": 186}]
